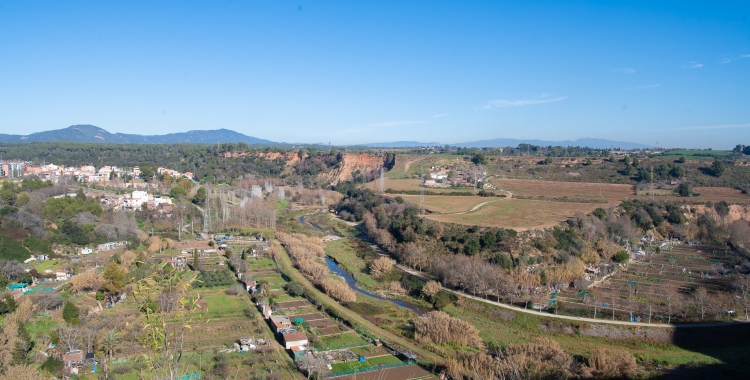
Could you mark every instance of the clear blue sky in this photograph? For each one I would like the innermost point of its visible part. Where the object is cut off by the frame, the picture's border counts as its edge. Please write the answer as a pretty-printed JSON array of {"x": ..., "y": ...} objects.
[{"x": 354, "y": 71}]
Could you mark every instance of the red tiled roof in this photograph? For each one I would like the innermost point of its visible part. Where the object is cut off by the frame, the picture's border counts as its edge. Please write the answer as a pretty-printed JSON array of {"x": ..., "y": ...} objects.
[{"x": 295, "y": 336}]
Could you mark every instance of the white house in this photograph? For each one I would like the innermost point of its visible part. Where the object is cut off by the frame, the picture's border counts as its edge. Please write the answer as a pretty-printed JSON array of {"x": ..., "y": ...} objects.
[{"x": 61, "y": 276}]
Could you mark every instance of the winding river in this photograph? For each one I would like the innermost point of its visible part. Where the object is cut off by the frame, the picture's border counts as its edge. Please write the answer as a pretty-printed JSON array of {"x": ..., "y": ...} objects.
[{"x": 337, "y": 270}]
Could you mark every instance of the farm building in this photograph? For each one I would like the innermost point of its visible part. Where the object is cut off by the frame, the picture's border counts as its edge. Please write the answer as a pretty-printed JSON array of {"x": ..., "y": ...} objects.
[
  {"x": 280, "y": 322},
  {"x": 72, "y": 358},
  {"x": 292, "y": 339}
]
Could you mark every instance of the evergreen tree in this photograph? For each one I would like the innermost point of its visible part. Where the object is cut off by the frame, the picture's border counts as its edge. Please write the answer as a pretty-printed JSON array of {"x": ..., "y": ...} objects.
[{"x": 70, "y": 313}]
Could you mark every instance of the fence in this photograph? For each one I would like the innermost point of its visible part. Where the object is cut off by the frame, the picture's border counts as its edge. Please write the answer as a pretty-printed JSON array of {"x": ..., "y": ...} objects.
[{"x": 369, "y": 369}]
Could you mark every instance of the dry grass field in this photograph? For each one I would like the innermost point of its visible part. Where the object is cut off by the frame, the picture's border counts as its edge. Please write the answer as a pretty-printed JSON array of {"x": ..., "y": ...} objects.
[
  {"x": 518, "y": 214},
  {"x": 612, "y": 193},
  {"x": 445, "y": 204},
  {"x": 538, "y": 213}
]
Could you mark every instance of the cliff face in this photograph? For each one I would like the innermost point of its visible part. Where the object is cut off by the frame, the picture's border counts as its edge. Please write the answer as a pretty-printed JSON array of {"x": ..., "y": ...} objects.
[
  {"x": 736, "y": 212},
  {"x": 350, "y": 163}
]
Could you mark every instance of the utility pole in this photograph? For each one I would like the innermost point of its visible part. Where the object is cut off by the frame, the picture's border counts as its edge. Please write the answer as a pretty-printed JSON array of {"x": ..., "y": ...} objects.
[
  {"x": 652, "y": 183},
  {"x": 382, "y": 180},
  {"x": 421, "y": 184}
]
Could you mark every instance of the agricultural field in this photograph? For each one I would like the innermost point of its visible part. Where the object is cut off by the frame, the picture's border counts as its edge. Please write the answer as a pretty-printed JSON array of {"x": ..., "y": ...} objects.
[
  {"x": 446, "y": 204},
  {"x": 411, "y": 372},
  {"x": 609, "y": 193},
  {"x": 697, "y": 154},
  {"x": 518, "y": 214}
]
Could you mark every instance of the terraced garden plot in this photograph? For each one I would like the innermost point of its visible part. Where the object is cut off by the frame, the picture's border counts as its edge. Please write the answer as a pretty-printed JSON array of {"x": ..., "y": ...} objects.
[
  {"x": 370, "y": 351},
  {"x": 262, "y": 272},
  {"x": 260, "y": 264},
  {"x": 322, "y": 323},
  {"x": 411, "y": 372},
  {"x": 332, "y": 330},
  {"x": 309, "y": 317},
  {"x": 293, "y": 304},
  {"x": 272, "y": 279},
  {"x": 370, "y": 363}
]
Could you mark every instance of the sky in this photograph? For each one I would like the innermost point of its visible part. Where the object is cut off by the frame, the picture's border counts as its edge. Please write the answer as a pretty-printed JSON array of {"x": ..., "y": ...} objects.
[{"x": 672, "y": 73}]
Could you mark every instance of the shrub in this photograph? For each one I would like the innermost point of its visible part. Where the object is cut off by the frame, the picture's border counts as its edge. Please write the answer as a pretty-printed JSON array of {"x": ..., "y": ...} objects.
[
  {"x": 338, "y": 290},
  {"x": 438, "y": 327},
  {"x": 381, "y": 266},
  {"x": 295, "y": 289},
  {"x": 430, "y": 289},
  {"x": 52, "y": 365},
  {"x": 70, "y": 313},
  {"x": 609, "y": 362},
  {"x": 621, "y": 257}
]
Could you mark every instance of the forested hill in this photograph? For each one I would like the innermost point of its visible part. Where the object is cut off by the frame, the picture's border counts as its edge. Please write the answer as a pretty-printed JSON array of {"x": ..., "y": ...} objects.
[{"x": 94, "y": 134}]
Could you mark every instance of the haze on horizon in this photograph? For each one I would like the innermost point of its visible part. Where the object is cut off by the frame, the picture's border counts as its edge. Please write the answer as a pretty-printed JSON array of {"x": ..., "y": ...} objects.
[{"x": 350, "y": 73}]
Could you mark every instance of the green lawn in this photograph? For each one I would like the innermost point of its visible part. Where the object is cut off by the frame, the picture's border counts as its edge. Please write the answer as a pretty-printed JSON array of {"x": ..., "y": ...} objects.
[
  {"x": 260, "y": 263},
  {"x": 353, "y": 365},
  {"x": 46, "y": 264},
  {"x": 271, "y": 279},
  {"x": 339, "y": 340},
  {"x": 219, "y": 304}
]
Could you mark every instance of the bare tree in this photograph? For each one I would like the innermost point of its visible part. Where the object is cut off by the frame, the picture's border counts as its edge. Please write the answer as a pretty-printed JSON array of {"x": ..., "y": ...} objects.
[
  {"x": 310, "y": 365},
  {"x": 69, "y": 337},
  {"x": 742, "y": 285},
  {"x": 47, "y": 300},
  {"x": 11, "y": 269},
  {"x": 701, "y": 300},
  {"x": 88, "y": 336}
]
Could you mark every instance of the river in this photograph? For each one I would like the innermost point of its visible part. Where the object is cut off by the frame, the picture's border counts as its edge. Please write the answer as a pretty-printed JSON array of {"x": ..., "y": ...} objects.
[{"x": 337, "y": 270}]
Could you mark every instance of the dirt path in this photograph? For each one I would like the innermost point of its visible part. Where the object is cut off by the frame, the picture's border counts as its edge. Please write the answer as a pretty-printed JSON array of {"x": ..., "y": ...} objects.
[
  {"x": 422, "y": 277},
  {"x": 477, "y": 207},
  {"x": 408, "y": 163}
]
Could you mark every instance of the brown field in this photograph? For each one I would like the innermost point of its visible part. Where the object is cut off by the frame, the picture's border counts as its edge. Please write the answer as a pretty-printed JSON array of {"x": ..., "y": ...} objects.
[
  {"x": 413, "y": 184},
  {"x": 612, "y": 193},
  {"x": 333, "y": 330},
  {"x": 321, "y": 323},
  {"x": 293, "y": 304},
  {"x": 518, "y": 214},
  {"x": 399, "y": 373},
  {"x": 445, "y": 204}
]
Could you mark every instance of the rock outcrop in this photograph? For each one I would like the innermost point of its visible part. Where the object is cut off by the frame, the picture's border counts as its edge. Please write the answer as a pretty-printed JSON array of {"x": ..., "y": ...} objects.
[{"x": 350, "y": 163}]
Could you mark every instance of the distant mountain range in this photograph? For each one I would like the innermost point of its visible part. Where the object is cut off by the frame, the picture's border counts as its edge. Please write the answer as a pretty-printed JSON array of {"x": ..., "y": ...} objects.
[
  {"x": 400, "y": 144},
  {"x": 94, "y": 134},
  {"x": 499, "y": 143}
]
